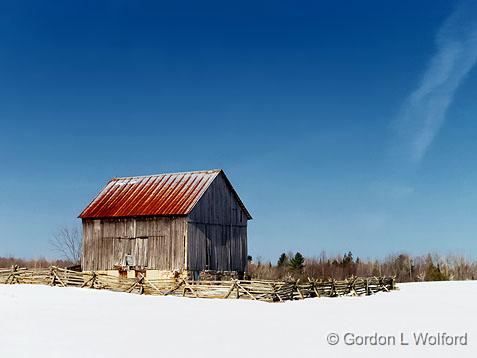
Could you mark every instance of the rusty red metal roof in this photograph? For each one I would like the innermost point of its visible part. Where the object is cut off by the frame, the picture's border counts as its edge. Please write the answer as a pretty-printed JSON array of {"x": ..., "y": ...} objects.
[{"x": 154, "y": 195}]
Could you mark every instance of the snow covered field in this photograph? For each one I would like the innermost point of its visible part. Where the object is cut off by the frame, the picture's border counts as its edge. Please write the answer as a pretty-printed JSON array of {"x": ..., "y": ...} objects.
[{"x": 42, "y": 321}]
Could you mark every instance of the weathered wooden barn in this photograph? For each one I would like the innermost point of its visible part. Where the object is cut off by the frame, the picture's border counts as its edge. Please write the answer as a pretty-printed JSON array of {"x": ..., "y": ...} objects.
[{"x": 185, "y": 222}]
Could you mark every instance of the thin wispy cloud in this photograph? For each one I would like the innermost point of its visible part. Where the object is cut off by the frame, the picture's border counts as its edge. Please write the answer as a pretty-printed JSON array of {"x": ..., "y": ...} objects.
[{"x": 425, "y": 109}]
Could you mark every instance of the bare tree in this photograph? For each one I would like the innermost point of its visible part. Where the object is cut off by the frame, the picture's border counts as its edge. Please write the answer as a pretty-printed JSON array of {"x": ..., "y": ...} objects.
[{"x": 67, "y": 242}]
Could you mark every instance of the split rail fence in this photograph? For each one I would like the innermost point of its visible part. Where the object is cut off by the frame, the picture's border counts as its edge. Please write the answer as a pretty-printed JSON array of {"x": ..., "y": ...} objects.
[{"x": 260, "y": 290}]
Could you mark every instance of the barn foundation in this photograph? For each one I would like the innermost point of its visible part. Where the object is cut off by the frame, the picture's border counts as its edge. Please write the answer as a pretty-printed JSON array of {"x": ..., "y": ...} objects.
[{"x": 205, "y": 275}]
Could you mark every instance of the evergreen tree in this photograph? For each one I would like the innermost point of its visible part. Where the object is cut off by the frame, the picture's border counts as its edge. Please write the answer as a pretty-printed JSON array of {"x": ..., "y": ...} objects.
[
  {"x": 347, "y": 258},
  {"x": 433, "y": 272},
  {"x": 282, "y": 260},
  {"x": 297, "y": 262}
]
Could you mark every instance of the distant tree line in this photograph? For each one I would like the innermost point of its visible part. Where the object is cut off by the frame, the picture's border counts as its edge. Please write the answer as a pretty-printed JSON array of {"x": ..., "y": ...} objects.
[
  {"x": 66, "y": 243},
  {"x": 404, "y": 267},
  {"x": 7, "y": 262}
]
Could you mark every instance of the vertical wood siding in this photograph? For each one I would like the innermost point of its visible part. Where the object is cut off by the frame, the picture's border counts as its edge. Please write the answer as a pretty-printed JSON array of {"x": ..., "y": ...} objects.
[
  {"x": 154, "y": 243},
  {"x": 217, "y": 231}
]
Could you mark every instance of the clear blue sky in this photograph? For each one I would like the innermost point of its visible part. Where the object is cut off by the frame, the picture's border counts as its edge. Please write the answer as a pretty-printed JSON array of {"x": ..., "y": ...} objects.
[{"x": 343, "y": 125}]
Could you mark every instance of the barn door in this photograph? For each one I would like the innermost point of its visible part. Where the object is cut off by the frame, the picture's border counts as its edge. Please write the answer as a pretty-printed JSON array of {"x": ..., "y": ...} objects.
[
  {"x": 121, "y": 249},
  {"x": 139, "y": 252}
]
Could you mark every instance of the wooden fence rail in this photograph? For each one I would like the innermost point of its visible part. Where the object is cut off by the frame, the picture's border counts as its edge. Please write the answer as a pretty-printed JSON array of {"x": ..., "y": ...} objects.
[{"x": 260, "y": 290}]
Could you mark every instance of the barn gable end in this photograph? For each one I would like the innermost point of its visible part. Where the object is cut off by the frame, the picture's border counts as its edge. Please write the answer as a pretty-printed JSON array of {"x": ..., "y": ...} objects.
[{"x": 217, "y": 229}]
